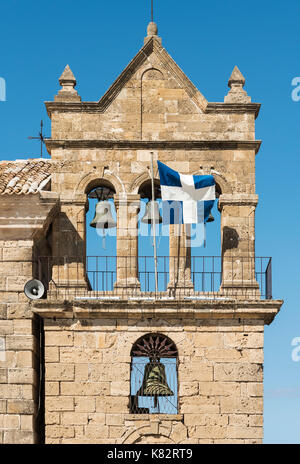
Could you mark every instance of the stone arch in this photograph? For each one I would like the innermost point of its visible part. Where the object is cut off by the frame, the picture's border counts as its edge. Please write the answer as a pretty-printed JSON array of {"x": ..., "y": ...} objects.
[
  {"x": 148, "y": 67},
  {"x": 222, "y": 184},
  {"x": 138, "y": 182},
  {"x": 152, "y": 68},
  {"x": 154, "y": 429},
  {"x": 92, "y": 180}
]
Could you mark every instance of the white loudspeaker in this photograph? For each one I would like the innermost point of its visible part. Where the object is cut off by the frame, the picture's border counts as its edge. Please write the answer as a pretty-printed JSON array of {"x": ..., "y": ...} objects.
[{"x": 34, "y": 289}]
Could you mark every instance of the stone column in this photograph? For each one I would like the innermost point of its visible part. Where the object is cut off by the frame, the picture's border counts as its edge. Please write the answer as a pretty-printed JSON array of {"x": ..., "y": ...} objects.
[
  {"x": 19, "y": 346},
  {"x": 238, "y": 245},
  {"x": 127, "y": 207},
  {"x": 69, "y": 246},
  {"x": 179, "y": 260}
]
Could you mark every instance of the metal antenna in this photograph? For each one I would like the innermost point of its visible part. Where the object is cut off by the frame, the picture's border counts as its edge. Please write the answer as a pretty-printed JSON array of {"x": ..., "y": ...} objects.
[
  {"x": 152, "y": 11},
  {"x": 41, "y": 137}
]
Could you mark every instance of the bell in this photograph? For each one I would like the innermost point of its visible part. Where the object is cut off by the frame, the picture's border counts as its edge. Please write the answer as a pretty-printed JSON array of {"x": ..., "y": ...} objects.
[
  {"x": 154, "y": 381},
  {"x": 210, "y": 218},
  {"x": 103, "y": 218},
  {"x": 147, "y": 218}
]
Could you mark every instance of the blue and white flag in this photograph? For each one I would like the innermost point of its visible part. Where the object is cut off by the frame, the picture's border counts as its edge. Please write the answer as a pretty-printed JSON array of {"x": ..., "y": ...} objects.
[{"x": 186, "y": 199}]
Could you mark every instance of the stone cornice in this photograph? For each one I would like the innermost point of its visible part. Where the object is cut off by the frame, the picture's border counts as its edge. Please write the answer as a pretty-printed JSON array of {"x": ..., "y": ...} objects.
[
  {"x": 238, "y": 199},
  {"x": 97, "y": 107},
  {"x": 215, "y": 107},
  {"x": 264, "y": 310},
  {"x": 25, "y": 217},
  {"x": 155, "y": 144}
]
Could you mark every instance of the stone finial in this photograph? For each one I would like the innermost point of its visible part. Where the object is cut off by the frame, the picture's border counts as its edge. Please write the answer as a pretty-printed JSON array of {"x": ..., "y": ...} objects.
[
  {"x": 152, "y": 31},
  {"x": 68, "y": 84},
  {"x": 236, "y": 93}
]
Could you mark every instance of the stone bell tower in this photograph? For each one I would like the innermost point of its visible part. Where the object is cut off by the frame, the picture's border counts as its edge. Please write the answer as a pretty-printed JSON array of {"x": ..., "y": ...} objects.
[{"x": 99, "y": 362}]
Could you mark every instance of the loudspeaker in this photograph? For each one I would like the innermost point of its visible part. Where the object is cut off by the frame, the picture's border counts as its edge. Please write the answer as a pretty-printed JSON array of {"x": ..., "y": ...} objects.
[{"x": 34, "y": 289}]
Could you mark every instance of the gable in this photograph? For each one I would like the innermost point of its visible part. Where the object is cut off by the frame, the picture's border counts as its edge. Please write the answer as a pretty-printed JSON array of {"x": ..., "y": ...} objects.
[
  {"x": 151, "y": 99},
  {"x": 153, "y": 56}
]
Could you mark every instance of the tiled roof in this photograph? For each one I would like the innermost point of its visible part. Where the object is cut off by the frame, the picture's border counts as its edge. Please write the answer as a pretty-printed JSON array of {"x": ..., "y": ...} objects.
[{"x": 24, "y": 176}]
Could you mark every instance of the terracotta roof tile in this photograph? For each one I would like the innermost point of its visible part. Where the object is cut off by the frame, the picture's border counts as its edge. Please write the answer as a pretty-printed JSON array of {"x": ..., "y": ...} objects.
[{"x": 24, "y": 176}]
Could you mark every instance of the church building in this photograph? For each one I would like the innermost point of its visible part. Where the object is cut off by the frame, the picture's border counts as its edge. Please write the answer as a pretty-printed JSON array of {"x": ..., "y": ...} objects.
[{"x": 112, "y": 349}]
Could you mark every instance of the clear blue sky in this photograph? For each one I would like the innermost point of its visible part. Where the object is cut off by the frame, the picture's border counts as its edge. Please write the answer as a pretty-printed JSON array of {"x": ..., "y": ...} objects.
[{"x": 98, "y": 39}]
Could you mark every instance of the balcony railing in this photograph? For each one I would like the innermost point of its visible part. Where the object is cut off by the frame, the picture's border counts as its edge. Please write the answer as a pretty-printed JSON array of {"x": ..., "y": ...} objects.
[{"x": 122, "y": 277}]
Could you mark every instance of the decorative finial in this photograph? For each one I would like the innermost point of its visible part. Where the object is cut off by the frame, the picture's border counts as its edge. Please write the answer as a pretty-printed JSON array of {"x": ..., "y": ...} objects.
[
  {"x": 236, "y": 93},
  {"x": 152, "y": 29},
  {"x": 68, "y": 84},
  {"x": 236, "y": 77}
]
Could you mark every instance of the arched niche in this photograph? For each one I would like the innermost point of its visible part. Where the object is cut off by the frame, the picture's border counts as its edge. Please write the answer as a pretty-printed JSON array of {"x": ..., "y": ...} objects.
[
  {"x": 146, "y": 239},
  {"x": 206, "y": 243},
  {"x": 154, "y": 375},
  {"x": 101, "y": 236}
]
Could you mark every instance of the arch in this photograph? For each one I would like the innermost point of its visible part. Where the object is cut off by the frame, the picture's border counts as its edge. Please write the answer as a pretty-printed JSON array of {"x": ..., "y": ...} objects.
[
  {"x": 140, "y": 180},
  {"x": 153, "y": 340},
  {"x": 222, "y": 185},
  {"x": 152, "y": 69},
  {"x": 154, "y": 375},
  {"x": 92, "y": 180},
  {"x": 137, "y": 435},
  {"x": 148, "y": 67}
]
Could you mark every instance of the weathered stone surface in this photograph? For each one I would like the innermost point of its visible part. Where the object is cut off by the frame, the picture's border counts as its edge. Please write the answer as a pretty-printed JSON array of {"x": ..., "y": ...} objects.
[{"x": 151, "y": 108}]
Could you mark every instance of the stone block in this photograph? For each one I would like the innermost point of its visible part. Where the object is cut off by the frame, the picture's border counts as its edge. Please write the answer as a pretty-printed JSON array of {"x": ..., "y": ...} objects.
[
  {"x": 241, "y": 405},
  {"x": 60, "y": 371},
  {"x": 61, "y": 403},
  {"x": 58, "y": 339},
  {"x": 20, "y": 406},
  {"x": 20, "y": 437},
  {"x": 74, "y": 418},
  {"x": 11, "y": 421}
]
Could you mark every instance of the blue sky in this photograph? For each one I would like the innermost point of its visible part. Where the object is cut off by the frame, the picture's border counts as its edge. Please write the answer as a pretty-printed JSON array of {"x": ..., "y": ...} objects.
[{"x": 98, "y": 39}]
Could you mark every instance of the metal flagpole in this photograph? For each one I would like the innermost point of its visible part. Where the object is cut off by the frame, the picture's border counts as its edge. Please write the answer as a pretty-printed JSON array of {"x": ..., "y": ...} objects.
[{"x": 153, "y": 224}]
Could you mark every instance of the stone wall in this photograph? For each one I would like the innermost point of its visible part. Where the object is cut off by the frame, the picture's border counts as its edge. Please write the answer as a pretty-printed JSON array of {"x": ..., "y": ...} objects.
[
  {"x": 19, "y": 334},
  {"x": 88, "y": 381}
]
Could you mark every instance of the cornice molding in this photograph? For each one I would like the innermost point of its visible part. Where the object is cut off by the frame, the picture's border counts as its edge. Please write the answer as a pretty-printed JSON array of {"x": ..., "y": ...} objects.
[
  {"x": 216, "y": 107},
  {"x": 264, "y": 310},
  {"x": 155, "y": 144}
]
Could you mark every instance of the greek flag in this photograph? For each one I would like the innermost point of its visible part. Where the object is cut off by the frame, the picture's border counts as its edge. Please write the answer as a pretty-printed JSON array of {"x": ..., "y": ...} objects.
[{"x": 186, "y": 199}]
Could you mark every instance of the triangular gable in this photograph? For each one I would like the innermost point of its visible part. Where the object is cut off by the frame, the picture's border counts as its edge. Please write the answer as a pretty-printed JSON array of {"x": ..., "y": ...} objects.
[{"x": 153, "y": 46}]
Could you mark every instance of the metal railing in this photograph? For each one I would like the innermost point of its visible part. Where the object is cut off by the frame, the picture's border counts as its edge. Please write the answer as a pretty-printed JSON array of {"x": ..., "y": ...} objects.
[{"x": 127, "y": 276}]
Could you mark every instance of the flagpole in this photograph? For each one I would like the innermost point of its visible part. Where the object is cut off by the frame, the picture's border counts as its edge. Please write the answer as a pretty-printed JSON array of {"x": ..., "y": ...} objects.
[{"x": 153, "y": 224}]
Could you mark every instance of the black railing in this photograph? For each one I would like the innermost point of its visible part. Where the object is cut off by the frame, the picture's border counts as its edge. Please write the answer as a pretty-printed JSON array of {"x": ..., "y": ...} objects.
[{"x": 197, "y": 275}]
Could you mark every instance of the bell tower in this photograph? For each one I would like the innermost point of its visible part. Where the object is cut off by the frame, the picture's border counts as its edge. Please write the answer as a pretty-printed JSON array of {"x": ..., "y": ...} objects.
[{"x": 123, "y": 362}]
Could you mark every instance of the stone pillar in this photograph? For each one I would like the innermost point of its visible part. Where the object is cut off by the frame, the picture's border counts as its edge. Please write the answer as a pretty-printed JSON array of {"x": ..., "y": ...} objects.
[
  {"x": 20, "y": 350},
  {"x": 179, "y": 260},
  {"x": 69, "y": 246},
  {"x": 127, "y": 207},
  {"x": 238, "y": 245}
]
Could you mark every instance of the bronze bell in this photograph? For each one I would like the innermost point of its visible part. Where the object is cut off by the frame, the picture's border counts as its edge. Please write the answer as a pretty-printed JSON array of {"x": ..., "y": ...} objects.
[
  {"x": 147, "y": 218},
  {"x": 154, "y": 381},
  {"x": 103, "y": 218},
  {"x": 210, "y": 218}
]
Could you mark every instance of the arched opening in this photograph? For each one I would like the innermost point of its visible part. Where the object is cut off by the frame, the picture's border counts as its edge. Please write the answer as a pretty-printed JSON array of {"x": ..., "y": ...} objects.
[
  {"x": 101, "y": 233},
  {"x": 206, "y": 261},
  {"x": 146, "y": 239},
  {"x": 154, "y": 375}
]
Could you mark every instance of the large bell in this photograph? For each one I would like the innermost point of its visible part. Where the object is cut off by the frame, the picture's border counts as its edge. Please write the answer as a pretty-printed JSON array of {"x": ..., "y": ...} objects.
[
  {"x": 154, "y": 381},
  {"x": 103, "y": 218},
  {"x": 147, "y": 218}
]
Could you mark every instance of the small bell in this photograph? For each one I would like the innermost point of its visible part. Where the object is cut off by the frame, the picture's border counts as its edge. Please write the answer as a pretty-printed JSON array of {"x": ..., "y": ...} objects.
[
  {"x": 103, "y": 218},
  {"x": 210, "y": 218},
  {"x": 147, "y": 218},
  {"x": 154, "y": 381}
]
